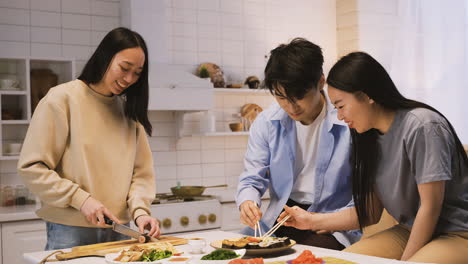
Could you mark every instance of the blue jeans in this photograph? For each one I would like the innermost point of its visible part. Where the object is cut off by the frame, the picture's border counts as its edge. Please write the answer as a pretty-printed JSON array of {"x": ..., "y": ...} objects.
[{"x": 63, "y": 236}]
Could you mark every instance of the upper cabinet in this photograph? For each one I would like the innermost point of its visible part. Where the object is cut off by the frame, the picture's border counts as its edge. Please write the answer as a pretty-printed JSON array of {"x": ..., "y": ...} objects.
[{"x": 172, "y": 88}]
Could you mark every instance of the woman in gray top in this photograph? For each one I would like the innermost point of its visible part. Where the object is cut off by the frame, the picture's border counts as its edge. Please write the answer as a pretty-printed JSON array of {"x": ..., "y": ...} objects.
[{"x": 407, "y": 159}]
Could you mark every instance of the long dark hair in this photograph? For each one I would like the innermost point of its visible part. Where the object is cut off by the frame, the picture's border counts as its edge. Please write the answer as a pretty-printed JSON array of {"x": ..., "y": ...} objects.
[
  {"x": 358, "y": 73},
  {"x": 136, "y": 96},
  {"x": 296, "y": 66}
]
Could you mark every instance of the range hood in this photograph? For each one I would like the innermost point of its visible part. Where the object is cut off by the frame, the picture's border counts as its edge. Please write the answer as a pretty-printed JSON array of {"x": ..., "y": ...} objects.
[{"x": 175, "y": 88}]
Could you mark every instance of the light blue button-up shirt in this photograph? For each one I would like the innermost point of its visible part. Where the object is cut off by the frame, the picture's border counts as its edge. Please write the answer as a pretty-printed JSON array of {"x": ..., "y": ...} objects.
[{"x": 269, "y": 163}]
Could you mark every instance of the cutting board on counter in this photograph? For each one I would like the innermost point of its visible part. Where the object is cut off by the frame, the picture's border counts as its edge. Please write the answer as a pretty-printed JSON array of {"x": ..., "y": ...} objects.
[{"x": 102, "y": 249}]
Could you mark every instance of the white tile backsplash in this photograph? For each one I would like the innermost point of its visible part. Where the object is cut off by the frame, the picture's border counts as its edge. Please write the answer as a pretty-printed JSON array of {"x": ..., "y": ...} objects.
[
  {"x": 189, "y": 171},
  {"x": 212, "y": 156},
  {"x": 11, "y": 48},
  {"x": 46, "y": 50},
  {"x": 74, "y": 21},
  {"x": 14, "y": 33},
  {"x": 46, "y": 35},
  {"x": 187, "y": 157},
  {"x": 24, "y": 4},
  {"x": 188, "y": 143},
  {"x": 46, "y": 5},
  {"x": 213, "y": 170},
  {"x": 165, "y": 158},
  {"x": 101, "y": 23},
  {"x": 76, "y": 7},
  {"x": 102, "y": 8},
  {"x": 211, "y": 143},
  {"x": 165, "y": 172},
  {"x": 45, "y": 19},
  {"x": 14, "y": 16},
  {"x": 77, "y": 51},
  {"x": 212, "y": 5}
]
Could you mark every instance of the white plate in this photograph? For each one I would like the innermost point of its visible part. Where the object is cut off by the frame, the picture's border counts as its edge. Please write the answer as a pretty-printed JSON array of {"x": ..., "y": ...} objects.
[
  {"x": 111, "y": 256},
  {"x": 240, "y": 252}
]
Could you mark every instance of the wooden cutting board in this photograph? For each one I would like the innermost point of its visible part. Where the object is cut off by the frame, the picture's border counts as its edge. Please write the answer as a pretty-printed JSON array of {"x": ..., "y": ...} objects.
[{"x": 102, "y": 249}]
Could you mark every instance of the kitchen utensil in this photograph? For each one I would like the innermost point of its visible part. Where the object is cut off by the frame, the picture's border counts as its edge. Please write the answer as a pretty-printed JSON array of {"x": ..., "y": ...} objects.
[
  {"x": 236, "y": 127},
  {"x": 197, "y": 245},
  {"x": 102, "y": 249},
  {"x": 9, "y": 83},
  {"x": 187, "y": 191},
  {"x": 249, "y": 112},
  {"x": 41, "y": 81},
  {"x": 125, "y": 230}
]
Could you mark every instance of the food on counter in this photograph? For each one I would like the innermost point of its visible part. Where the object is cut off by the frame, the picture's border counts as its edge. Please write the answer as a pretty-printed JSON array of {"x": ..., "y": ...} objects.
[
  {"x": 247, "y": 261},
  {"x": 147, "y": 253},
  {"x": 220, "y": 254},
  {"x": 306, "y": 257},
  {"x": 256, "y": 242}
]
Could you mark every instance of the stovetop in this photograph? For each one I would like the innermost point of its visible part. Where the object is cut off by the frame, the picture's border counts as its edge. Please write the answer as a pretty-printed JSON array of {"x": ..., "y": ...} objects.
[{"x": 164, "y": 198}]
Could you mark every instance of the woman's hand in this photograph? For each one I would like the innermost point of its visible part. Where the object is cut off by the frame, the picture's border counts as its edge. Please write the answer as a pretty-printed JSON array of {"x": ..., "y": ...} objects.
[
  {"x": 95, "y": 211},
  {"x": 250, "y": 214},
  {"x": 149, "y": 223},
  {"x": 299, "y": 218}
]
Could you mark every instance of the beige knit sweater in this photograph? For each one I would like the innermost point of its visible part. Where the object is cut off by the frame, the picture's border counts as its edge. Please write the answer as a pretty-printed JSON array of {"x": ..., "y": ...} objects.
[{"x": 80, "y": 144}]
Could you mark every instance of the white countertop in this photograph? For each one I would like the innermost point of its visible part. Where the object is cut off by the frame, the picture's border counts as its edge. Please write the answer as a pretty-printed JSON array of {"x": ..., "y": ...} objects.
[
  {"x": 36, "y": 257},
  {"x": 18, "y": 213}
]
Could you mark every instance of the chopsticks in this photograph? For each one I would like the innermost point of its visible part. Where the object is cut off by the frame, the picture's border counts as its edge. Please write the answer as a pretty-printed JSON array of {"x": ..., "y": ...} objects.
[
  {"x": 257, "y": 226},
  {"x": 275, "y": 227}
]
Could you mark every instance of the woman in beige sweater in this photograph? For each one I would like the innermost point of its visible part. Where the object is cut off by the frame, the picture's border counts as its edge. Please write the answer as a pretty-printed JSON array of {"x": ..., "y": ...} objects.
[{"x": 86, "y": 153}]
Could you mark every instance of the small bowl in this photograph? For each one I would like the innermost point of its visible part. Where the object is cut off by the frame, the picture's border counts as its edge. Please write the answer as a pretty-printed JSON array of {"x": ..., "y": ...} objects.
[{"x": 236, "y": 127}]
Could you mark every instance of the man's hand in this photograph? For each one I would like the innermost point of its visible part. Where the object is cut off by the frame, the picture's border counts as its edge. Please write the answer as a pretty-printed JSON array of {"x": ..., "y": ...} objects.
[
  {"x": 250, "y": 214},
  {"x": 149, "y": 223},
  {"x": 94, "y": 211}
]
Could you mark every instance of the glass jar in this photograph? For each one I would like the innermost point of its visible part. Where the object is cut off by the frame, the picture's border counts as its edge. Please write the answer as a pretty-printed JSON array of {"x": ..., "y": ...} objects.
[
  {"x": 8, "y": 195},
  {"x": 21, "y": 194}
]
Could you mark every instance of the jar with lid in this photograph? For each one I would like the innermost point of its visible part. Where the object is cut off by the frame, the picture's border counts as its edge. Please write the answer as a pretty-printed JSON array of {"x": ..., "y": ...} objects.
[
  {"x": 8, "y": 196},
  {"x": 21, "y": 194}
]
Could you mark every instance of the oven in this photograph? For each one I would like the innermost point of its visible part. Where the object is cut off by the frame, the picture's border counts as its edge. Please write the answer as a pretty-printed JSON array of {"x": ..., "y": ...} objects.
[{"x": 186, "y": 214}]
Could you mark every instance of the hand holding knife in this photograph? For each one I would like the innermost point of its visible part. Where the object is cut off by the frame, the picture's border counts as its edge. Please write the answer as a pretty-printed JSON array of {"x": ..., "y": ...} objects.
[{"x": 125, "y": 230}]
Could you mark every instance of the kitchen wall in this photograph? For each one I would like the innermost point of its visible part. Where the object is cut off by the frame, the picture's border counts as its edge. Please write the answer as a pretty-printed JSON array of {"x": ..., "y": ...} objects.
[
  {"x": 236, "y": 35},
  {"x": 55, "y": 28},
  {"x": 367, "y": 25}
]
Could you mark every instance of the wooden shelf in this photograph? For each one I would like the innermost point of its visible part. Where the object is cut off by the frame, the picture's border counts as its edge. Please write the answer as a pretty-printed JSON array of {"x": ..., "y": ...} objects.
[
  {"x": 9, "y": 157},
  {"x": 14, "y": 122},
  {"x": 13, "y": 92}
]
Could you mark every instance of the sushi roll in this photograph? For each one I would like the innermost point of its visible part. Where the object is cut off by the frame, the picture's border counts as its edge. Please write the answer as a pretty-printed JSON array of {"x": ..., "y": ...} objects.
[{"x": 253, "y": 245}]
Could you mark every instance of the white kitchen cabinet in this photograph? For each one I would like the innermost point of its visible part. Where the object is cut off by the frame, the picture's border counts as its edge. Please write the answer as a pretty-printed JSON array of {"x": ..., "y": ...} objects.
[
  {"x": 22, "y": 237},
  {"x": 15, "y": 102}
]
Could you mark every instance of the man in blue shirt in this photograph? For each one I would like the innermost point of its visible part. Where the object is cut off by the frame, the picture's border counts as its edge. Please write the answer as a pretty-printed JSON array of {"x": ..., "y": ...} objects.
[{"x": 297, "y": 149}]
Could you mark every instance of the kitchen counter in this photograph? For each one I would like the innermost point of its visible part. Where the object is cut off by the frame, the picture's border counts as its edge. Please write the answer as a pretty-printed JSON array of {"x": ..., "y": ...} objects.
[
  {"x": 18, "y": 213},
  {"x": 36, "y": 257}
]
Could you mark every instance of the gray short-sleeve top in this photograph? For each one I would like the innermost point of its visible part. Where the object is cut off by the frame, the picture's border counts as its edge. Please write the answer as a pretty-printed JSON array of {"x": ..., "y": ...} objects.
[{"x": 419, "y": 148}]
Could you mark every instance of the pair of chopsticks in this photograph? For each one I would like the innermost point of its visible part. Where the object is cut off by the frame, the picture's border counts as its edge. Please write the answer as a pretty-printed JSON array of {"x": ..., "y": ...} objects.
[
  {"x": 257, "y": 226},
  {"x": 275, "y": 227}
]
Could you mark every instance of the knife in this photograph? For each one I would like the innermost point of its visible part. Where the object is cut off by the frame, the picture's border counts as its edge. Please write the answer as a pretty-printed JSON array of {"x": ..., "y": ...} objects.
[{"x": 125, "y": 230}]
